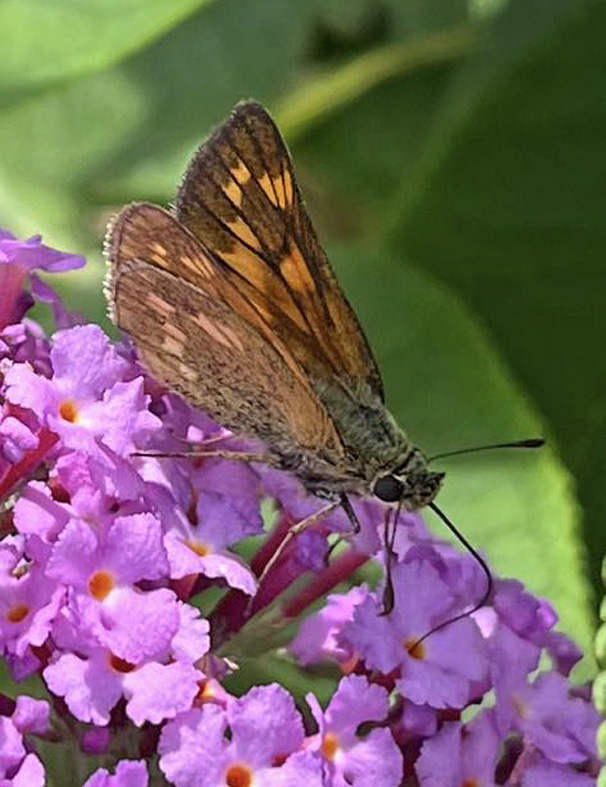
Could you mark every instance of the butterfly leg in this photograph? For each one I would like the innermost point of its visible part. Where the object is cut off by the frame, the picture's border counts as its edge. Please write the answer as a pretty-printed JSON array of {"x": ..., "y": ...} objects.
[
  {"x": 351, "y": 514},
  {"x": 294, "y": 531},
  {"x": 345, "y": 537}
]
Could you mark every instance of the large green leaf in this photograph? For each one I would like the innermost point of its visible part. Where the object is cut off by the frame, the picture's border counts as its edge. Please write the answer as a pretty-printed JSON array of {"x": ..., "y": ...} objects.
[
  {"x": 126, "y": 132},
  {"x": 329, "y": 91},
  {"x": 507, "y": 207},
  {"x": 448, "y": 389},
  {"x": 43, "y": 42},
  {"x": 73, "y": 153}
]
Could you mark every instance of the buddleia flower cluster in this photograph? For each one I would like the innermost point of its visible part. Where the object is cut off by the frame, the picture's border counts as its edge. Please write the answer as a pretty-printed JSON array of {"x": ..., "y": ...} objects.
[{"x": 141, "y": 649}]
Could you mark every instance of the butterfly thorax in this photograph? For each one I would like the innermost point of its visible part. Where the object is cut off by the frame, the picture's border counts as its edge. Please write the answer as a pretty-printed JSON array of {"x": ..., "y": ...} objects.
[
  {"x": 379, "y": 457},
  {"x": 372, "y": 439}
]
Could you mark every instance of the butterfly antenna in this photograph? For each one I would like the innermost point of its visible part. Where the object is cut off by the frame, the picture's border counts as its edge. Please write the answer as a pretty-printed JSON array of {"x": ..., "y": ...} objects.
[
  {"x": 531, "y": 442},
  {"x": 475, "y": 554},
  {"x": 389, "y": 539}
]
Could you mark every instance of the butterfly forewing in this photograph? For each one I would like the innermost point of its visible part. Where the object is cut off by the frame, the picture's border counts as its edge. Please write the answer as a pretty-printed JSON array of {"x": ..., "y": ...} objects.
[
  {"x": 169, "y": 296},
  {"x": 240, "y": 198}
]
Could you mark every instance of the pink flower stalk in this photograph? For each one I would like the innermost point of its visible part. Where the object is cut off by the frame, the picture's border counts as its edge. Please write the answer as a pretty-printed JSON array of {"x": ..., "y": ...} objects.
[{"x": 126, "y": 593}]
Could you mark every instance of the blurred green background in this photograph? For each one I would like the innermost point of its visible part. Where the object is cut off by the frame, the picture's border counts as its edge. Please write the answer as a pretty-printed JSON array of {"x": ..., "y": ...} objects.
[{"x": 453, "y": 156}]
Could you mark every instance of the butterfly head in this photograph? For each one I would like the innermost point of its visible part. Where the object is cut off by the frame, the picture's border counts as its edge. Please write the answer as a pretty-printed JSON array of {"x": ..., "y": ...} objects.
[{"x": 412, "y": 485}]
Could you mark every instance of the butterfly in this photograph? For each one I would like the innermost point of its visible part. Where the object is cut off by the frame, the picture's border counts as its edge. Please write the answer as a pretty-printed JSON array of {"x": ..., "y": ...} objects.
[{"x": 231, "y": 302}]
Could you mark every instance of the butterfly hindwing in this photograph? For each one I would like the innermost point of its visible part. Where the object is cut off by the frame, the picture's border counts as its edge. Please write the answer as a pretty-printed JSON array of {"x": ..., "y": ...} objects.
[{"x": 240, "y": 198}]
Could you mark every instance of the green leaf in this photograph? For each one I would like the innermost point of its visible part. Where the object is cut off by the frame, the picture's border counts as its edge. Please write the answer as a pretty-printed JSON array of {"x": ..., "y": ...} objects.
[
  {"x": 448, "y": 389},
  {"x": 192, "y": 79},
  {"x": 360, "y": 130},
  {"x": 507, "y": 208},
  {"x": 44, "y": 42},
  {"x": 127, "y": 132},
  {"x": 330, "y": 91},
  {"x": 419, "y": 15}
]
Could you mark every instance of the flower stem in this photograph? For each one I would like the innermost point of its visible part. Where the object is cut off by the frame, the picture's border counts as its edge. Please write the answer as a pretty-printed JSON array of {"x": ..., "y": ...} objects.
[{"x": 338, "y": 571}]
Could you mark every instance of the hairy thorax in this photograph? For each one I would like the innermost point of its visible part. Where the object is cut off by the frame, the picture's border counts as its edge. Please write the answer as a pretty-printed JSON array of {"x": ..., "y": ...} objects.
[{"x": 372, "y": 440}]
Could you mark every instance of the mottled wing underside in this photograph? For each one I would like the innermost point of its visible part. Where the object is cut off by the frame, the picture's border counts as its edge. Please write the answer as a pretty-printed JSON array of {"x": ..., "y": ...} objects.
[
  {"x": 186, "y": 320},
  {"x": 240, "y": 198}
]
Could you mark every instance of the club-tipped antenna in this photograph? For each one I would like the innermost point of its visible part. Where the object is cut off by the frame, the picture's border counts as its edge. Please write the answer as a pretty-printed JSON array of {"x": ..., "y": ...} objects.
[
  {"x": 530, "y": 442},
  {"x": 475, "y": 554}
]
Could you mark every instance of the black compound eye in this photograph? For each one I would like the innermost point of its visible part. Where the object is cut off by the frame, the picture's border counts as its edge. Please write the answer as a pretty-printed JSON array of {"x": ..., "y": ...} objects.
[{"x": 388, "y": 489}]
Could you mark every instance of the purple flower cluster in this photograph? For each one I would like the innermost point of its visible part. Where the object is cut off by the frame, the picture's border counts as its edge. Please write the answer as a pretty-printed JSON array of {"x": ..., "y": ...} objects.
[{"x": 124, "y": 592}]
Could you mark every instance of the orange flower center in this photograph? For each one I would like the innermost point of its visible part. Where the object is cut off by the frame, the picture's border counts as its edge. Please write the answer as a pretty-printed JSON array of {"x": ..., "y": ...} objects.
[
  {"x": 416, "y": 650},
  {"x": 238, "y": 775},
  {"x": 206, "y": 692},
  {"x": 520, "y": 706},
  {"x": 470, "y": 783},
  {"x": 120, "y": 665},
  {"x": 68, "y": 411},
  {"x": 100, "y": 585},
  {"x": 347, "y": 667},
  {"x": 17, "y": 613},
  {"x": 200, "y": 549},
  {"x": 330, "y": 746}
]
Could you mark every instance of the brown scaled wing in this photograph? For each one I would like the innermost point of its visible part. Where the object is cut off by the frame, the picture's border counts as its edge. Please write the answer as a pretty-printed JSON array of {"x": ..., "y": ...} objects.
[
  {"x": 193, "y": 333},
  {"x": 239, "y": 197}
]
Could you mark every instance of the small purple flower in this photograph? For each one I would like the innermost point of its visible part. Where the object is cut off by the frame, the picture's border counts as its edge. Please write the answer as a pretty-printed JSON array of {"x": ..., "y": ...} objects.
[
  {"x": 37, "y": 514},
  {"x": 129, "y": 551},
  {"x": 415, "y": 722},
  {"x": 533, "y": 619},
  {"x": 28, "y": 773},
  {"x": 559, "y": 725},
  {"x": 16, "y": 437},
  {"x": 29, "y": 603},
  {"x": 18, "y": 768},
  {"x": 460, "y": 755},
  {"x": 461, "y": 573},
  {"x": 129, "y": 773},
  {"x": 201, "y": 548},
  {"x": 25, "y": 342},
  {"x": 319, "y": 636},
  {"x": 12, "y": 750},
  {"x": 92, "y": 686},
  {"x": 85, "y": 400},
  {"x": 31, "y": 716},
  {"x": 17, "y": 260},
  {"x": 102, "y": 569},
  {"x": 543, "y": 773},
  {"x": 350, "y": 759},
  {"x": 264, "y": 745},
  {"x": 443, "y": 669},
  {"x": 32, "y": 254}
]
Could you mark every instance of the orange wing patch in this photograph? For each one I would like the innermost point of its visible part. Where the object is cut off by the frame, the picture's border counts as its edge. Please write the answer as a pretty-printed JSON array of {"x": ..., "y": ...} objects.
[
  {"x": 240, "y": 199},
  {"x": 296, "y": 273}
]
